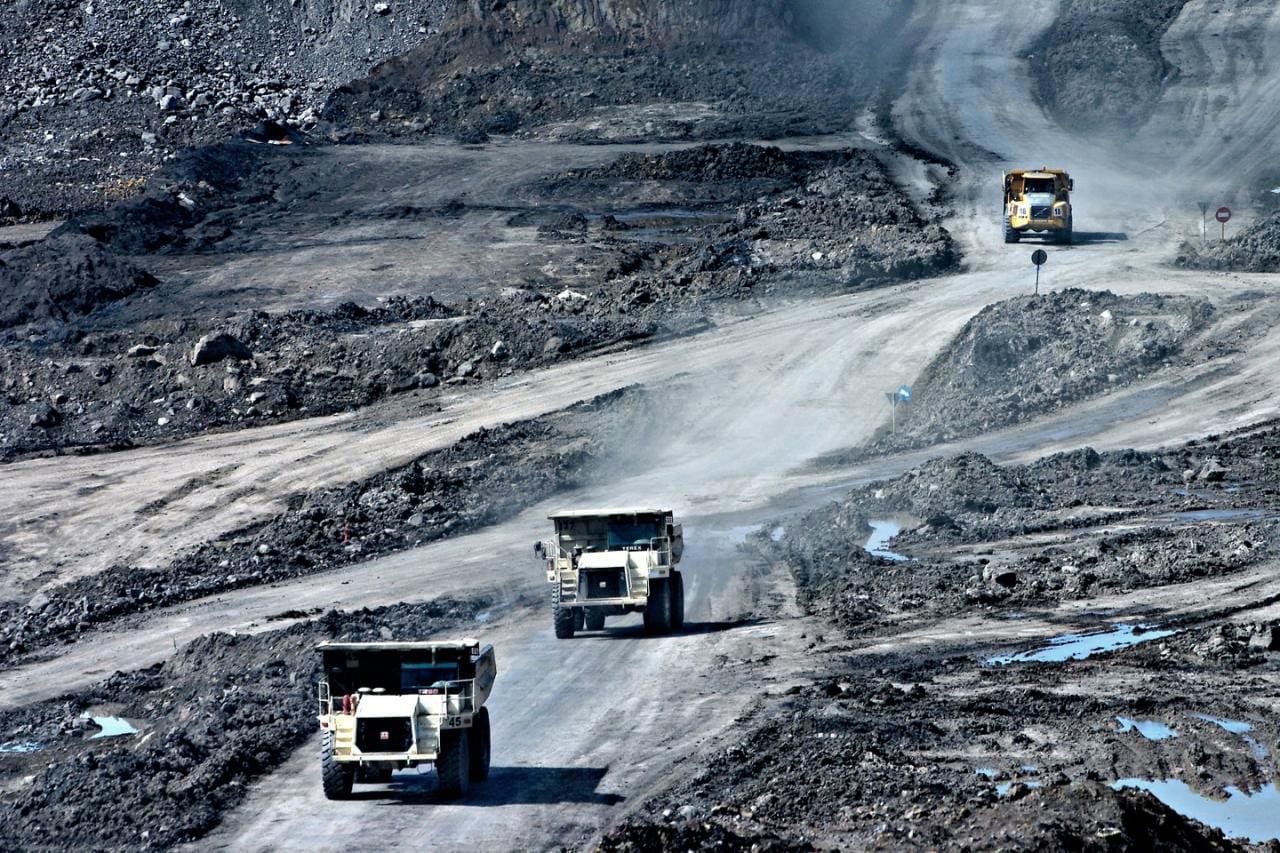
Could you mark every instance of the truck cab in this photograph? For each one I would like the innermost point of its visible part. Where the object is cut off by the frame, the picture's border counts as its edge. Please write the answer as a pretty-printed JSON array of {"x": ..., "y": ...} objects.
[{"x": 606, "y": 562}]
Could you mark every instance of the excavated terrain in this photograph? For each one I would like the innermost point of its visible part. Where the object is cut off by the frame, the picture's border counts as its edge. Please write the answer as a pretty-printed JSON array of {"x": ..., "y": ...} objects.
[
  {"x": 1256, "y": 249},
  {"x": 100, "y": 352},
  {"x": 482, "y": 480},
  {"x": 897, "y": 749},
  {"x": 222, "y": 712}
]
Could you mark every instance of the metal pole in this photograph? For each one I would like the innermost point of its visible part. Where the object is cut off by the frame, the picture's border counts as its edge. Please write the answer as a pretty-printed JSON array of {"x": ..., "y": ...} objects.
[
  {"x": 893, "y": 408},
  {"x": 1037, "y": 281},
  {"x": 1224, "y": 231}
]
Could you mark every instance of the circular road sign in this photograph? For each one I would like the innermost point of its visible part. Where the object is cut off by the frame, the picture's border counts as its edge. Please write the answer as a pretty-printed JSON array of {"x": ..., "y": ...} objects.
[
  {"x": 1039, "y": 256},
  {"x": 1223, "y": 215}
]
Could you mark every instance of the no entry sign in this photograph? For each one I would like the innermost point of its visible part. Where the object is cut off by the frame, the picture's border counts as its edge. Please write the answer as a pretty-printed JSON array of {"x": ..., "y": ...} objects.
[{"x": 1223, "y": 215}]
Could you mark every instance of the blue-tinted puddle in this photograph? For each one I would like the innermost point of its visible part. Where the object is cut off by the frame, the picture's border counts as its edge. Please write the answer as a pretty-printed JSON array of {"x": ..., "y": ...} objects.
[
  {"x": 986, "y": 772},
  {"x": 1003, "y": 788},
  {"x": 1255, "y": 817},
  {"x": 777, "y": 533},
  {"x": 1238, "y": 727},
  {"x": 881, "y": 533},
  {"x": 1216, "y": 514},
  {"x": 1149, "y": 729},
  {"x": 20, "y": 746},
  {"x": 112, "y": 727},
  {"x": 1080, "y": 646}
]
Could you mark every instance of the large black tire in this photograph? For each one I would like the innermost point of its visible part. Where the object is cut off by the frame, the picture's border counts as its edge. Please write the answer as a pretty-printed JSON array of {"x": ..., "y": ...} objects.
[
  {"x": 657, "y": 610},
  {"x": 565, "y": 619},
  {"x": 453, "y": 764},
  {"x": 480, "y": 748},
  {"x": 594, "y": 618},
  {"x": 579, "y": 618},
  {"x": 677, "y": 601},
  {"x": 336, "y": 777},
  {"x": 1066, "y": 235},
  {"x": 377, "y": 773},
  {"x": 1010, "y": 236}
]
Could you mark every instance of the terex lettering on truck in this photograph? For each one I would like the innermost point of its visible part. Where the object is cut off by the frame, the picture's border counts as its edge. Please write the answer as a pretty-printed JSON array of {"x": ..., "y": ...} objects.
[
  {"x": 1037, "y": 202},
  {"x": 385, "y": 706},
  {"x": 607, "y": 562}
]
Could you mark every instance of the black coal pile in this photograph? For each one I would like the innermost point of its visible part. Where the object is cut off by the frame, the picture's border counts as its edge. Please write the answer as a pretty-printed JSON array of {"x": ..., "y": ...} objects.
[
  {"x": 1256, "y": 249},
  {"x": 64, "y": 277},
  {"x": 1024, "y": 357},
  {"x": 1099, "y": 65},
  {"x": 981, "y": 535},
  {"x": 485, "y": 478},
  {"x": 223, "y": 711},
  {"x": 97, "y": 94},
  {"x": 708, "y": 68},
  {"x": 884, "y": 758}
]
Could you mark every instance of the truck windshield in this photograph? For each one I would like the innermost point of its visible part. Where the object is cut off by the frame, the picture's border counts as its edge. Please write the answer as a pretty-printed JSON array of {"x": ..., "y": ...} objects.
[
  {"x": 1038, "y": 185},
  {"x": 631, "y": 535},
  {"x": 415, "y": 676}
]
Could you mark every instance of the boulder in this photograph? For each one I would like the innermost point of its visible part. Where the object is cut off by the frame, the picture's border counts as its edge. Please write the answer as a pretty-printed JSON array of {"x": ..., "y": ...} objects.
[{"x": 211, "y": 349}]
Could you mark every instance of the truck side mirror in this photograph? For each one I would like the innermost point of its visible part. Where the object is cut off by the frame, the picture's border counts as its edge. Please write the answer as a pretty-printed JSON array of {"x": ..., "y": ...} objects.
[{"x": 539, "y": 550}]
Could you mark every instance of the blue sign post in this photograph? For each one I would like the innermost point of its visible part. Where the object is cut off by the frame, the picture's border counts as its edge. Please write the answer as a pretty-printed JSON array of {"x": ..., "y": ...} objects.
[{"x": 902, "y": 395}]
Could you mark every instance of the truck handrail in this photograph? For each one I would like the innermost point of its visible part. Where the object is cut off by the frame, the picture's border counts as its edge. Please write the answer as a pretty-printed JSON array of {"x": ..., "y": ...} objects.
[
  {"x": 465, "y": 696},
  {"x": 661, "y": 545}
]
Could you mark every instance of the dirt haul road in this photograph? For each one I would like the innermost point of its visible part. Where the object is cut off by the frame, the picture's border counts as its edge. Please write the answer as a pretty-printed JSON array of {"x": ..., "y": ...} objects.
[{"x": 765, "y": 395}]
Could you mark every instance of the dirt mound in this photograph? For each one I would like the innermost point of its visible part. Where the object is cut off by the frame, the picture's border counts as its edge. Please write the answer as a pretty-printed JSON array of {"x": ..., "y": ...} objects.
[
  {"x": 1024, "y": 357},
  {"x": 981, "y": 535},
  {"x": 62, "y": 277},
  {"x": 761, "y": 67},
  {"x": 735, "y": 162},
  {"x": 641, "y": 837},
  {"x": 483, "y": 479},
  {"x": 1257, "y": 249},
  {"x": 1100, "y": 65},
  {"x": 97, "y": 95},
  {"x": 221, "y": 712}
]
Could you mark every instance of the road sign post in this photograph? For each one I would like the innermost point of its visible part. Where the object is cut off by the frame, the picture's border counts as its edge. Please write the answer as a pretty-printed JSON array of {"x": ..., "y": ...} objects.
[
  {"x": 1224, "y": 216},
  {"x": 1204, "y": 221},
  {"x": 1038, "y": 257},
  {"x": 902, "y": 395}
]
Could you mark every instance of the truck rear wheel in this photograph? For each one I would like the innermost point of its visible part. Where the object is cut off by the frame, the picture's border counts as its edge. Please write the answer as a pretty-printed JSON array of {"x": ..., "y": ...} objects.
[
  {"x": 565, "y": 619},
  {"x": 677, "y": 601},
  {"x": 378, "y": 773},
  {"x": 480, "y": 751},
  {"x": 594, "y": 618},
  {"x": 453, "y": 764},
  {"x": 657, "y": 610},
  {"x": 336, "y": 776}
]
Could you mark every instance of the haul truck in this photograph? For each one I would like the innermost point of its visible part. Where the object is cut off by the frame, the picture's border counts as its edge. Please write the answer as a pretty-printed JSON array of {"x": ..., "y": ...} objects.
[
  {"x": 1037, "y": 202},
  {"x": 605, "y": 562},
  {"x": 386, "y": 706}
]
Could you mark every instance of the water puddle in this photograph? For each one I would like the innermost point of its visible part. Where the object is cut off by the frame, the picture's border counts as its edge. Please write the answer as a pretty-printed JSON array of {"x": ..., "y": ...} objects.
[
  {"x": 111, "y": 727},
  {"x": 1255, "y": 817},
  {"x": 1239, "y": 727},
  {"x": 1081, "y": 646},
  {"x": 15, "y": 746},
  {"x": 1236, "y": 727},
  {"x": 881, "y": 533},
  {"x": 1003, "y": 788},
  {"x": 1216, "y": 515},
  {"x": 777, "y": 533},
  {"x": 986, "y": 772},
  {"x": 1149, "y": 729}
]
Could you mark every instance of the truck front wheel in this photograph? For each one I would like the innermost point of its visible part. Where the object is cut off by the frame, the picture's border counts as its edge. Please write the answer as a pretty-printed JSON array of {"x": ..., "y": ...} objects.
[
  {"x": 480, "y": 749},
  {"x": 453, "y": 764},
  {"x": 336, "y": 776},
  {"x": 1010, "y": 235},
  {"x": 657, "y": 610}
]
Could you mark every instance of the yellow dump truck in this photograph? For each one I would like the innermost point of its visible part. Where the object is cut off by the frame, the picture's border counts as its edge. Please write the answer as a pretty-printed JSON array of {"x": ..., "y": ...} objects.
[
  {"x": 393, "y": 705},
  {"x": 1037, "y": 201}
]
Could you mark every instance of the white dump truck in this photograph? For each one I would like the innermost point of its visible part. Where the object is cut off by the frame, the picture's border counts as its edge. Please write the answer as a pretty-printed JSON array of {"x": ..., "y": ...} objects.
[
  {"x": 605, "y": 562},
  {"x": 386, "y": 706}
]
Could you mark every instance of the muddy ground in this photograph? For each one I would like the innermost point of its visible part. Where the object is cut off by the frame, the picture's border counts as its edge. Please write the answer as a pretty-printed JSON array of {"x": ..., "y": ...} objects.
[
  {"x": 963, "y": 749},
  {"x": 102, "y": 352},
  {"x": 221, "y": 712}
]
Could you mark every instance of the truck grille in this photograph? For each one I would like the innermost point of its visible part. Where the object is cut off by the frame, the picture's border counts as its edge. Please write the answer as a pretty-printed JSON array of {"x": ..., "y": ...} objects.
[
  {"x": 383, "y": 734},
  {"x": 605, "y": 583},
  {"x": 1041, "y": 211}
]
